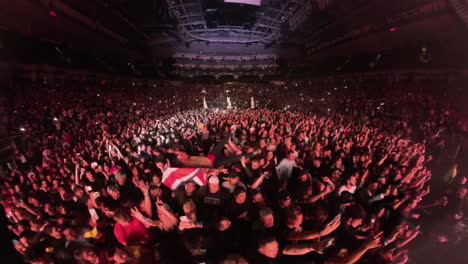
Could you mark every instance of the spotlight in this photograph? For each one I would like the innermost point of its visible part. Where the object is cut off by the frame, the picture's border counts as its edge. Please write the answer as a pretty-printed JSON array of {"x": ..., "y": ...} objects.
[
  {"x": 22, "y": 129},
  {"x": 52, "y": 13},
  {"x": 392, "y": 29}
]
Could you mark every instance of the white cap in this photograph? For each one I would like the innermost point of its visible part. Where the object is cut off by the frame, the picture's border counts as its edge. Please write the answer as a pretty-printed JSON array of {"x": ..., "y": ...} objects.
[{"x": 213, "y": 180}]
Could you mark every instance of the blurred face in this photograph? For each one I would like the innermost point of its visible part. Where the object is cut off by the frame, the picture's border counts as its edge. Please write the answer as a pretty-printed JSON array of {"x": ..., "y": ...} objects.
[
  {"x": 68, "y": 235},
  {"x": 189, "y": 188},
  {"x": 286, "y": 203},
  {"x": 255, "y": 164},
  {"x": 270, "y": 249},
  {"x": 213, "y": 187},
  {"x": 79, "y": 192},
  {"x": 257, "y": 198},
  {"x": 234, "y": 180},
  {"x": 155, "y": 192},
  {"x": 224, "y": 225},
  {"x": 383, "y": 180},
  {"x": 356, "y": 222},
  {"x": 182, "y": 156},
  {"x": 241, "y": 197},
  {"x": 373, "y": 186},
  {"x": 121, "y": 256},
  {"x": 269, "y": 155},
  {"x": 303, "y": 177},
  {"x": 89, "y": 176},
  {"x": 268, "y": 221},
  {"x": 156, "y": 179},
  {"x": 121, "y": 180},
  {"x": 90, "y": 256},
  {"x": 336, "y": 175},
  {"x": 61, "y": 191},
  {"x": 297, "y": 222},
  {"x": 115, "y": 195},
  {"x": 317, "y": 163}
]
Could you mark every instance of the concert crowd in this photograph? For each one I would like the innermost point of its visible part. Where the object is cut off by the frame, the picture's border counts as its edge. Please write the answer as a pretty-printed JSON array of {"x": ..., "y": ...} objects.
[{"x": 111, "y": 176}]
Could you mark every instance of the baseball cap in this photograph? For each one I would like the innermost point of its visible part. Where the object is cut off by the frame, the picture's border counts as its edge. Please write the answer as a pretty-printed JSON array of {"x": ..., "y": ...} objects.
[{"x": 213, "y": 180}]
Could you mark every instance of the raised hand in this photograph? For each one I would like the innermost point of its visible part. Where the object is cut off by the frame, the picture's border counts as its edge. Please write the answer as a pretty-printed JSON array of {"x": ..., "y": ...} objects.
[
  {"x": 242, "y": 161},
  {"x": 374, "y": 241},
  {"x": 331, "y": 226},
  {"x": 136, "y": 213}
]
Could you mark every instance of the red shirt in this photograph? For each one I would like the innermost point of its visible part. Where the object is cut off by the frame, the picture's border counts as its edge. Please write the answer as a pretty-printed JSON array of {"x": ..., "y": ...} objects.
[{"x": 134, "y": 232}]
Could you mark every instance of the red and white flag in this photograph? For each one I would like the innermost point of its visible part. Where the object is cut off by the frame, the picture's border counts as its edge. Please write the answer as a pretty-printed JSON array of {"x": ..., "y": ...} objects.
[{"x": 172, "y": 177}]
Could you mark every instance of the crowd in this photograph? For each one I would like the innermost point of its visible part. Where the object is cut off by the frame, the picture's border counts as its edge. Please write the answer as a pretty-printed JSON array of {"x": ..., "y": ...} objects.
[{"x": 95, "y": 178}]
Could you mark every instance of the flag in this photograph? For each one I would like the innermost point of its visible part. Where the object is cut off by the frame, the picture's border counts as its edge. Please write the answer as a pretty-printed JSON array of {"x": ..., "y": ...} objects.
[{"x": 172, "y": 177}]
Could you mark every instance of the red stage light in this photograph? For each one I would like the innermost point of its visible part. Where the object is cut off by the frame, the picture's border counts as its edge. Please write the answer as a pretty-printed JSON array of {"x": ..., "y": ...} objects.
[
  {"x": 392, "y": 29},
  {"x": 52, "y": 13}
]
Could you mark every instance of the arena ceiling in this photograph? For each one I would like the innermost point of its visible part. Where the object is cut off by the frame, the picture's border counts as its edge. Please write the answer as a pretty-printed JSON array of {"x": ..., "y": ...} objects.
[{"x": 147, "y": 32}]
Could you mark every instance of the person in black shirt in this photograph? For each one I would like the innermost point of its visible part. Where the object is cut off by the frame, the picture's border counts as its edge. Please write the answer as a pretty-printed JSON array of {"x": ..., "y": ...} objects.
[
  {"x": 318, "y": 170},
  {"x": 238, "y": 208},
  {"x": 211, "y": 199},
  {"x": 93, "y": 182}
]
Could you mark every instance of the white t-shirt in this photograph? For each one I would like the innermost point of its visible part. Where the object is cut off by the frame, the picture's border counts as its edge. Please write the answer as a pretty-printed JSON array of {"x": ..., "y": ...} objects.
[
  {"x": 343, "y": 188},
  {"x": 285, "y": 168}
]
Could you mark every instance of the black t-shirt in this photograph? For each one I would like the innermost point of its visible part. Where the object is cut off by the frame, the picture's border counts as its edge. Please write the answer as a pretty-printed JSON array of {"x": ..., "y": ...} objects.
[
  {"x": 318, "y": 172},
  {"x": 345, "y": 239},
  {"x": 97, "y": 184},
  {"x": 211, "y": 204}
]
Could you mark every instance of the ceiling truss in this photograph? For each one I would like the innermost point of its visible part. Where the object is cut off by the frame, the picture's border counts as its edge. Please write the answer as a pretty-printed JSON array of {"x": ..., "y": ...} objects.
[{"x": 193, "y": 26}]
